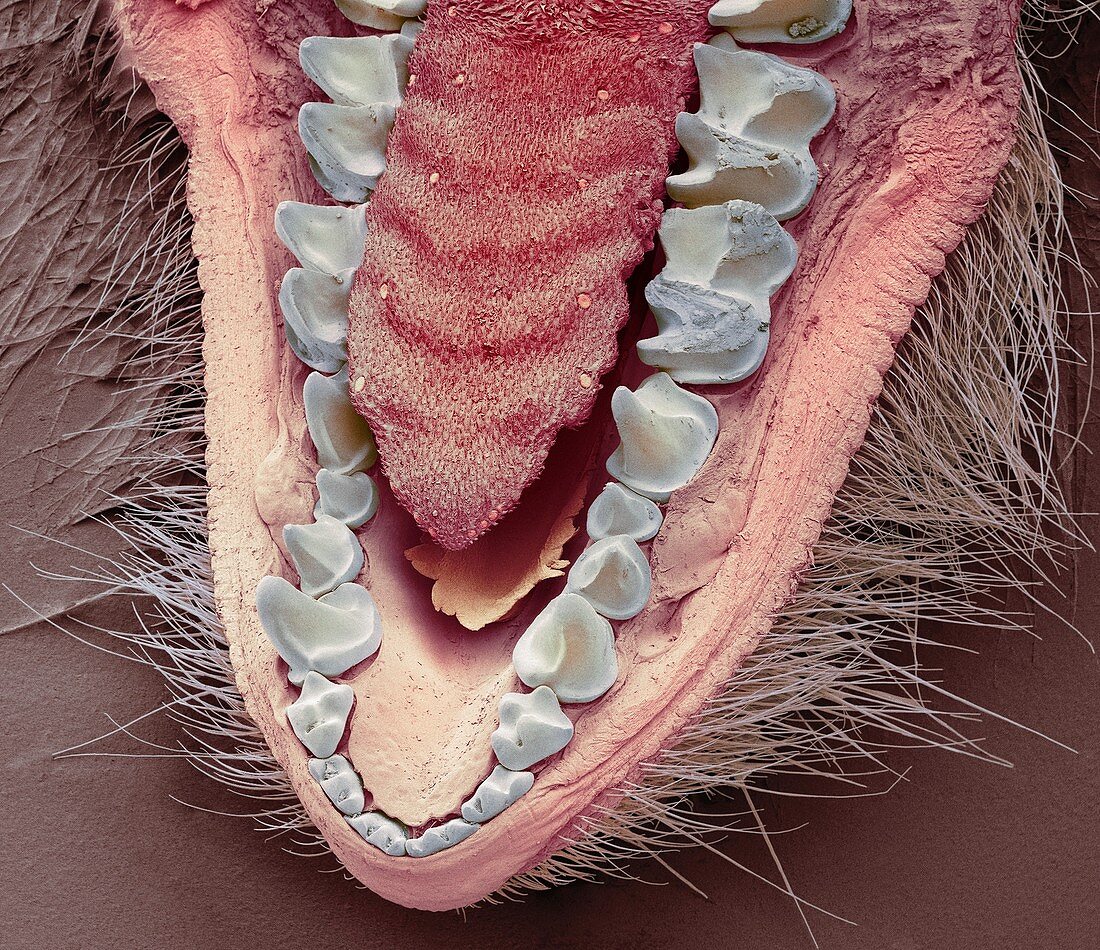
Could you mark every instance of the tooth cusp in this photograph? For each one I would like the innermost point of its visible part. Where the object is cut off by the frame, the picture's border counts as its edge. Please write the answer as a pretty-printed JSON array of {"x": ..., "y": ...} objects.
[
  {"x": 358, "y": 70},
  {"x": 346, "y": 145},
  {"x": 532, "y": 728},
  {"x": 570, "y": 648},
  {"x": 320, "y": 714},
  {"x": 381, "y": 14},
  {"x": 618, "y": 510},
  {"x": 341, "y": 436},
  {"x": 439, "y": 838},
  {"x": 387, "y": 835},
  {"x": 327, "y": 636},
  {"x": 613, "y": 576},
  {"x": 502, "y": 788},
  {"x": 351, "y": 499},
  {"x": 667, "y": 434},
  {"x": 315, "y": 316},
  {"x": 326, "y": 554},
  {"x": 781, "y": 21},
  {"x": 339, "y": 781},
  {"x": 324, "y": 238}
]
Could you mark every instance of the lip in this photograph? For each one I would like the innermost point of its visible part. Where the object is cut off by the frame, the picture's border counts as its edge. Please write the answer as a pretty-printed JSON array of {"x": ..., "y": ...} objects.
[{"x": 731, "y": 553}]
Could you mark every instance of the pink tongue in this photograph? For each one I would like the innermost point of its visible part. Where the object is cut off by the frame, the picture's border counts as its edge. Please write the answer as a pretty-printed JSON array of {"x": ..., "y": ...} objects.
[{"x": 524, "y": 184}]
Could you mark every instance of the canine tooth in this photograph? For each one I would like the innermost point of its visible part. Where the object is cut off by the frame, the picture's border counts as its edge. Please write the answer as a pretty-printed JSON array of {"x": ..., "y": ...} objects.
[
  {"x": 339, "y": 782},
  {"x": 439, "y": 838},
  {"x": 324, "y": 238},
  {"x": 383, "y": 832},
  {"x": 618, "y": 510},
  {"x": 532, "y": 727},
  {"x": 341, "y": 436},
  {"x": 781, "y": 21},
  {"x": 326, "y": 554},
  {"x": 667, "y": 434},
  {"x": 315, "y": 316},
  {"x": 352, "y": 499},
  {"x": 381, "y": 14},
  {"x": 502, "y": 788},
  {"x": 320, "y": 713},
  {"x": 358, "y": 70},
  {"x": 613, "y": 576},
  {"x": 347, "y": 145},
  {"x": 570, "y": 648},
  {"x": 328, "y": 636}
]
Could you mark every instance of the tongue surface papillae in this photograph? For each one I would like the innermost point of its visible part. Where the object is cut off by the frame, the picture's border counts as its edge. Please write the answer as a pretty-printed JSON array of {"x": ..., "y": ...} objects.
[{"x": 524, "y": 183}]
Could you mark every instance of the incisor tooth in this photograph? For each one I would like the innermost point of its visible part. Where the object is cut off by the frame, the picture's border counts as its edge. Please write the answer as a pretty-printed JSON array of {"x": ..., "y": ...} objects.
[
  {"x": 439, "y": 838},
  {"x": 326, "y": 554},
  {"x": 502, "y": 788},
  {"x": 341, "y": 436},
  {"x": 320, "y": 714},
  {"x": 340, "y": 783},
  {"x": 613, "y": 576},
  {"x": 532, "y": 727}
]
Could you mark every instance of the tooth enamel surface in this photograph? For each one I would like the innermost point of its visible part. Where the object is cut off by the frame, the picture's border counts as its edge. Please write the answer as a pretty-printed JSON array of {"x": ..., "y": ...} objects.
[
  {"x": 502, "y": 788},
  {"x": 315, "y": 316},
  {"x": 320, "y": 714},
  {"x": 751, "y": 137},
  {"x": 439, "y": 838},
  {"x": 781, "y": 21},
  {"x": 324, "y": 238},
  {"x": 667, "y": 434},
  {"x": 326, "y": 554},
  {"x": 384, "y": 833},
  {"x": 358, "y": 70},
  {"x": 347, "y": 145},
  {"x": 340, "y": 783},
  {"x": 341, "y": 436},
  {"x": 381, "y": 14},
  {"x": 328, "y": 636},
  {"x": 613, "y": 576},
  {"x": 618, "y": 510},
  {"x": 351, "y": 499},
  {"x": 532, "y": 727},
  {"x": 570, "y": 648}
]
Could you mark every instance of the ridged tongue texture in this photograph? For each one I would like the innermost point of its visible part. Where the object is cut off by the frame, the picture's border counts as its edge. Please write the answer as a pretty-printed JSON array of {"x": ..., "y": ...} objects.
[{"x": 524, "y": 182}]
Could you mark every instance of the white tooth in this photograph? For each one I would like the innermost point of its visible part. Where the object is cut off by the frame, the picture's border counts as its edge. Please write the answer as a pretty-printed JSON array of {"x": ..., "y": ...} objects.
[
  {"x": 781, "y": 21},
  {"x": 570, "y": 648},
  {"x": 352, "y": 499},
  {"x": 382, "y": 831},
  {"x": 315, "y": 316},
  {"x": 326, "y": 554},
  {"x": 750, "y": 138},
  {"x": 328, "y": 636},
  {"x": 381, "y": 14},
  {"x": 324, "y": 238},
  {"x": 613, "y": 576},
  {"x": 618, "y": 510},
  {"x": 439, "y": 838},
  {"x": 341, "y": 436},
  {"x": 667, "y": 434},
  {"x": 532, "y": 727},
  {"x": 340, "y": 783},
  {"x": 358, "y": 70},
  {"x": 346, "y": 145},
  {"x": 502, "y": 788},
  {"x": 320, "y": 714}
]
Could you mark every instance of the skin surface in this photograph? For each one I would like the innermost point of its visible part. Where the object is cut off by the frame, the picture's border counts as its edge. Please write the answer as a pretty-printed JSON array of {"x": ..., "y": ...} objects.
[{"x": 927, "y": 97}]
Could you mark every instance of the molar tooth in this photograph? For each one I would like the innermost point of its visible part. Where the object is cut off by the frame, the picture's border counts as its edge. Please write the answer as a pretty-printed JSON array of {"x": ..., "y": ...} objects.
[
  {"x": 326, "y": 554},
  {"x": 328, "y": 636},
  {"x": 381, "y": 14},
  {"x": 315, "y": 316},
  {"x": 570, "y": 648},
  {"x": 618, "y": 510},
  {"x": 383, "y": 832},
  {"x": 440, "y": 838},
  {"x": 502, "y": 788},
  {"x": 320, "y": 714},
  {"x": 667, "y": 434},
  {"x": 613, "y": 576},
  {"x": 341, "y": 436},
  {"x": 532, "y": 727},
  {"x": 324, "y": 238},
  {"x": 339, "y": 782},
  {"x": 781, "y": 21},
  {"x": 352, "y": 499},
  {"x": 347, "y": 145},
  {"x": 358, "y": 70}
]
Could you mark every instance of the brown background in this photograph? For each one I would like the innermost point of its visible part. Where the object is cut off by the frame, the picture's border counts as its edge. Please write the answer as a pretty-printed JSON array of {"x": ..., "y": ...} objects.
[{"x": 100, "y": 853}]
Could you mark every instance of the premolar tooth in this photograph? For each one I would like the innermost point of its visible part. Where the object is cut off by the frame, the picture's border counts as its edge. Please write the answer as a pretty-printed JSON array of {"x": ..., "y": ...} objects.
[
  {"x": 352, "y": 499},
  {"x": 532, "y": 727},
  {"x": 315, "y": 316},
  {"x": 324, "y": 238},
  {"x": 381, "y": 14},
  {"x": 347, "y": 145},
  {"x": 326, "y": 554},
  {"x": 613, "y": 576},
  {"x": 341, "y": 436},
  {"x": 358, "y": 70},
  {"x": 781, "y": 21},
  {"x": 618, "y": 510},
  {"x": 439, "y": 838},
  {"x": 320, "y": 714},
  {"x": 667, "y": 434},
  {"x": 570, "y": 648},
  {"x": 328, "y": 636},
  {"x": 502, "y": 788},
  {"x": 381, "y": 831},
  {"x": 340, "y": 783}
]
